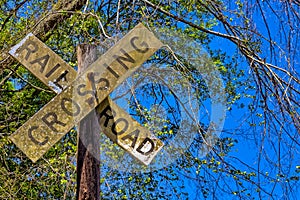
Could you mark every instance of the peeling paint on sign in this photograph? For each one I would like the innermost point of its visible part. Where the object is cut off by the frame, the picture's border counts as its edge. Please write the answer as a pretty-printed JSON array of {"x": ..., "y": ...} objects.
[{"x": 56, "y": 118}]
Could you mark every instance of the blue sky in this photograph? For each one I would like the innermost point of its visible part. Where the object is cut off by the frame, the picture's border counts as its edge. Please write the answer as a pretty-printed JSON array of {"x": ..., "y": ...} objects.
[{"x": 247, "y": 148}]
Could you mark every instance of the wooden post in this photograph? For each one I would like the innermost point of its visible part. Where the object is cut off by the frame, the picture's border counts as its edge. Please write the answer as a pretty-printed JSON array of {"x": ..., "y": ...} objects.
[{"x": 88, "y": 164}]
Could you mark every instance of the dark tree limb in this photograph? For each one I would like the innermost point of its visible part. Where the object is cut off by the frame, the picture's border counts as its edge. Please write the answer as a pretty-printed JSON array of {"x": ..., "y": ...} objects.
[{"x": 47, "y": 24}]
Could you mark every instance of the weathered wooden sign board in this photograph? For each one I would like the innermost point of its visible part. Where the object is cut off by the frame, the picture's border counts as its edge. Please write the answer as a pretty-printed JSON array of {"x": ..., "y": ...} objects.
[{"x": 79, "y": 96}]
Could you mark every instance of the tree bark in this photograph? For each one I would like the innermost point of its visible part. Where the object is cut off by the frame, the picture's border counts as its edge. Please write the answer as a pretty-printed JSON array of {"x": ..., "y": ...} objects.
[{"x": 88, "y": 164}]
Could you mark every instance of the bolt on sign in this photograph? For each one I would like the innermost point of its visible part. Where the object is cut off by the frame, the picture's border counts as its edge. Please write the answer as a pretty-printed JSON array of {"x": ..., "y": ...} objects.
[{"x": 91, "y": 89}]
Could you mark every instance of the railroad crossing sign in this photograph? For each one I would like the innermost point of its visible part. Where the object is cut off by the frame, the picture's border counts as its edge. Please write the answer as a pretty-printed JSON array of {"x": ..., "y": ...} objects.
[{"x": 93, "y": 86}]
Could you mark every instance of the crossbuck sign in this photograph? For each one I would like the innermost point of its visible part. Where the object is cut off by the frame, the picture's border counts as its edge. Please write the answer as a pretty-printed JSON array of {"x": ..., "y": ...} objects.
[{"x": 91, "y": 88}]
